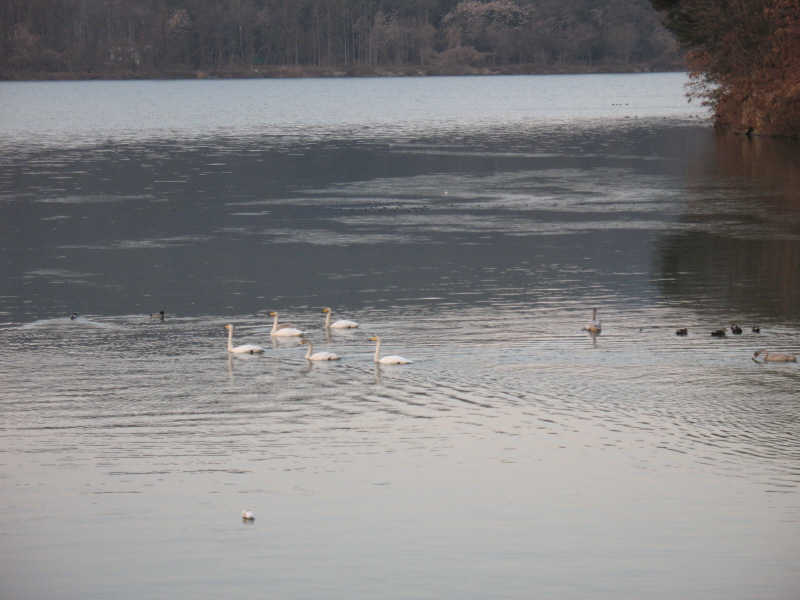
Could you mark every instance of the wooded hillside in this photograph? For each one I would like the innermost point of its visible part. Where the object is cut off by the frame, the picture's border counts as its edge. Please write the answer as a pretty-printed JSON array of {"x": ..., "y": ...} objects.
[
  {"x": 130, "y": 38},
  {"x": 744, "y": 59}
]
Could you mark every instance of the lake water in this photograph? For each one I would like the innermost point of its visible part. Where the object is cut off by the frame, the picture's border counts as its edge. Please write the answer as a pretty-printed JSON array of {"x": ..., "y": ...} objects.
[{"x": 472, "y": 223}]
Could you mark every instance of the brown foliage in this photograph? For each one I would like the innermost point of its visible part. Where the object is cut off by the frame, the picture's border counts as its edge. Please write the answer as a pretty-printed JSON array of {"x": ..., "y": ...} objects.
[{"x": 745, "y": 62}]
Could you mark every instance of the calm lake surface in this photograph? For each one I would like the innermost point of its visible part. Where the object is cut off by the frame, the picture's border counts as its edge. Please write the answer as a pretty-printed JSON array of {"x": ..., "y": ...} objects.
[{"x": 472, "y": 223}]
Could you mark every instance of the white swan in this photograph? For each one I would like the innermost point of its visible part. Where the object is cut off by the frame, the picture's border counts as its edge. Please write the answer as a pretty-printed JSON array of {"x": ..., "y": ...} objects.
[
  {"x": 594, "y": 324},
  {"x": 388, "y": 360},
  {"x": 341, "y": 324},
  {"x": 319, "y": 355},
  {"x": 246, "y": 349},
  {"x": 283, "y": 331},
  {"x": 248, "y": 515},
  {"x": 775, "y": 356}
]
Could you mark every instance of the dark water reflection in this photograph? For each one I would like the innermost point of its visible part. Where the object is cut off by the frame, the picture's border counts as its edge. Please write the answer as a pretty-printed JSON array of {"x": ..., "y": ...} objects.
[
  {"x": 188, "y": 227},
  {"x": 167, "y": 224},
  {"x": 517, "y": 453},
  {"x": 741, "y": 242}
]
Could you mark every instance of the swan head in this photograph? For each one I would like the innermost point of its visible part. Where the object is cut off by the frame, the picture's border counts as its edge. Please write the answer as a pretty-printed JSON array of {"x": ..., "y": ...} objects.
[
  {"x": 305, "y": 342},
  {"x": 273, "y": 314},
  {"x": 228, "y": 326},
  {"x": 374, "y": 338},
  {"x": 326, "y": 310}
]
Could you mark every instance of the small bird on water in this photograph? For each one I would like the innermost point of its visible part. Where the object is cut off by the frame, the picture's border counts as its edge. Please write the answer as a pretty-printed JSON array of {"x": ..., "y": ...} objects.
[
  {"x": 756, "y": 329},
  {"x": 73, "y": 317},
  {"x": 682, "y": 331},
  {"x": 775, "y": 356},
  {"x": 594, "y": 324},
  {"x": 160, "y": 316},
  {"x": 735, "y": 329},
  {"x": 719, "y": 333}
]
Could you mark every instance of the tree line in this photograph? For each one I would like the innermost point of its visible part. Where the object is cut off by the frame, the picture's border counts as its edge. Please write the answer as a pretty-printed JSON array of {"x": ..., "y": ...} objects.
[{"x": 100, "y": 37}]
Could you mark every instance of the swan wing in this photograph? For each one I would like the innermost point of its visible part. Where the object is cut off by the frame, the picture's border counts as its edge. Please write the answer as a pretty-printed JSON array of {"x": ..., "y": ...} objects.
[
  {"x": 325, "y": 356},
  {"x": 288, "y": 332},
  {"x": 344, "y": 324},
  {"x": 395, "y": 360},
  {"x": 780, "y": 357},
  {"x": 247, "y": 348}
]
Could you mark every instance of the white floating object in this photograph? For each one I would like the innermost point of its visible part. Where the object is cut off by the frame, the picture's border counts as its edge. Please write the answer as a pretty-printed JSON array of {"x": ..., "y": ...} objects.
[
  {"x": 246, "y": 349},
  {"x": 248, "y": 515},
  {"x": 319, "y": 355},
  {"x": 342, "y": 324},
  {"x": 775, "y": 356},
  {"x": 594, "y": 324},
  {"x": 284, "y": 330},
  {"x": 387, "y": 360}
]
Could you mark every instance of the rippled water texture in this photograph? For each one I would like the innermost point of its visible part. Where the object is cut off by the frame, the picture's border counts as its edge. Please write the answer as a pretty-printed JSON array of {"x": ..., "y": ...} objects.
[{"x": 471, "y": 223}]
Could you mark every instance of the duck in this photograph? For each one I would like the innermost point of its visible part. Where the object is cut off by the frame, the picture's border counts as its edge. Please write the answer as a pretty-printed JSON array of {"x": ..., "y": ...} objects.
[
  {"x": 319, "y": 355},
  {"x": 775, "y": 356},
  {"x": 387, "y": 360},
  {"x": 248, "y": 515},
  {"x": 736, "y": 329},
  {"x": 158, "y": 315},
  {"x": 285, "y": 330},
  {"x": 756, "y": 329},
  {"x": 594, "y": 324},
  {"x": 719, "y": 332},
  {"x": 245, "y": 349},
  {"x": 73, "y": 317},
  {"x": 340, "y": 324},
  {"x": 682, "y": 331}
]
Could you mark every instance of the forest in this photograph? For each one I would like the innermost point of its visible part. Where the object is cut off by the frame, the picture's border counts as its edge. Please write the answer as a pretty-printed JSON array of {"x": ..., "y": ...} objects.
[{"x": 45, "y": 39}]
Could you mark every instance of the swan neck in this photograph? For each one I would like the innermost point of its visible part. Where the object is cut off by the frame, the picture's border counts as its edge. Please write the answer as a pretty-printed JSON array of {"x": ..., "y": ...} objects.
[
  {"x": 275, "y": 324},
  {"x": 327, "y": 320},
  {"x": 378, "y": 351},
  {"x": 310, "y": 350},
  {"x": 230, "y": 339}
]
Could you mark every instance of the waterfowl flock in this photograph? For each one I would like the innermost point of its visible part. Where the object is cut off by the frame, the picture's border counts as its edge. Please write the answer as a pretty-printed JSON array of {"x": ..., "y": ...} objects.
[{"x": 288, "y": 330}]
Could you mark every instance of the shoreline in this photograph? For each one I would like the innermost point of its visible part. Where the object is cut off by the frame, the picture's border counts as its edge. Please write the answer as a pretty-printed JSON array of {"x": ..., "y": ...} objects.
[{"x": 300, "y": 72}]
